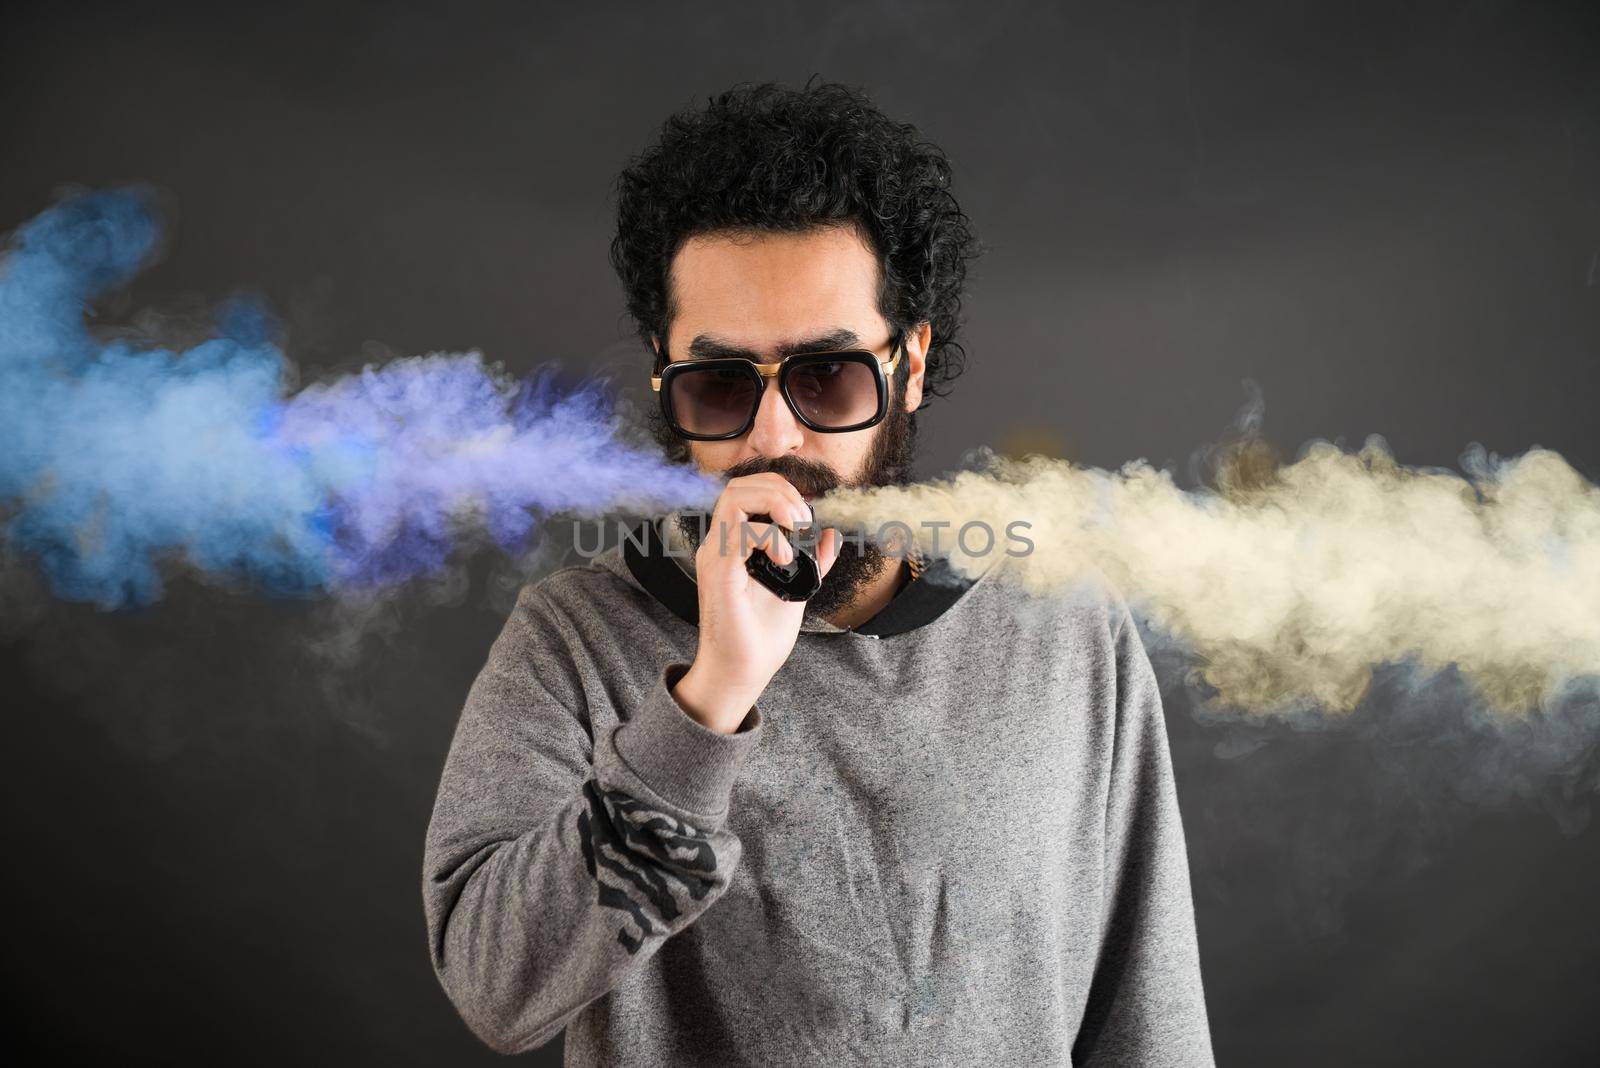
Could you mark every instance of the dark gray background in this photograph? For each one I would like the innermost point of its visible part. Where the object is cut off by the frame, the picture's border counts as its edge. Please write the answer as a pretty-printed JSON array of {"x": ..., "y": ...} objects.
[{"x": 1386, "y": 215}]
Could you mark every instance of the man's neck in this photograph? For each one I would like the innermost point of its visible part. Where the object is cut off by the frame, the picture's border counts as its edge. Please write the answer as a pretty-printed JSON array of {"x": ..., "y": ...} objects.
[{"x": 874, "y": 596}]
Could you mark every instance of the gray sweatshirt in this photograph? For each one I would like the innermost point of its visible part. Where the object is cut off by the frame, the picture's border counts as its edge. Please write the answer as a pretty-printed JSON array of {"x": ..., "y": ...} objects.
[{"x": 948, "y": 836}]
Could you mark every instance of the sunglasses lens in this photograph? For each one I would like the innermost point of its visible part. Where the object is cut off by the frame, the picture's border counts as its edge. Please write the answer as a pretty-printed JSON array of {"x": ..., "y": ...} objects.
[
  {"x": 834, "y": 393},
  {"x": 712, "y": 400}
]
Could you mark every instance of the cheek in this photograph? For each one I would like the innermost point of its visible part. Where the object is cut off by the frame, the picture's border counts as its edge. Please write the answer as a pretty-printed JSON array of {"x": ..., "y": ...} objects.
[
  {"x": 845, "y": 453},
  {"x": 711, "y": 456}
]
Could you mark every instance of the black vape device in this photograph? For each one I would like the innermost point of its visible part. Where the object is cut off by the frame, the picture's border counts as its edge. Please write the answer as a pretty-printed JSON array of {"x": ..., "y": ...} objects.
[{"x": 799, "y": 580}]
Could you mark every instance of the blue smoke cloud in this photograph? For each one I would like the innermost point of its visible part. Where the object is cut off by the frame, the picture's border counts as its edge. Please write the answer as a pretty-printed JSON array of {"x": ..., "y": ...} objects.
[{"x": 115, "y": 456}]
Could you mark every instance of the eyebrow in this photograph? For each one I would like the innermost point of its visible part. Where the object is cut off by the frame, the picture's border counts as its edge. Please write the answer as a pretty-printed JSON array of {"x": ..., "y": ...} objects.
[{"x": 707, "y": 347}]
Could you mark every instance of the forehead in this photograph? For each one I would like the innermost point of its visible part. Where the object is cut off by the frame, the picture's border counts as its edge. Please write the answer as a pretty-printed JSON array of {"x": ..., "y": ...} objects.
[{"x": 756, "y": 288}]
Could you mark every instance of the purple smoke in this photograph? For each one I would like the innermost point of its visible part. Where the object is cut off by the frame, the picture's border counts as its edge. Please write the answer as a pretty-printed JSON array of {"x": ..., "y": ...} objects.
[{"x": 115, "y": 456}]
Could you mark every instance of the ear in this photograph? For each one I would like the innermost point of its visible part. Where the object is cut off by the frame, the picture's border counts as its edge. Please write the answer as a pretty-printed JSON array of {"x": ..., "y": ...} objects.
[{"x": 916, "y": 356}]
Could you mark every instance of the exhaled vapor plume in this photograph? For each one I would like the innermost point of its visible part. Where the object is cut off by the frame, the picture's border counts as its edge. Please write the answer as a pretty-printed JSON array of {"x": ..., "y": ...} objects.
[
  {"x": 114, "y": 456},
  {"x": 1292, "y": 582}
]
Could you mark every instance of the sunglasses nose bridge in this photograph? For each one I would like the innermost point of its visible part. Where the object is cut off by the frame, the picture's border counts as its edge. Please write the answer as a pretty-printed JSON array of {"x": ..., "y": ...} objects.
[{"x": 776, "y": 428}]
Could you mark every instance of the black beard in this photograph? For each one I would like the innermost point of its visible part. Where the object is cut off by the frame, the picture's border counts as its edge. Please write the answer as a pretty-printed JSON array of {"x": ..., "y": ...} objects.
[{"x": 888, "y": 463}]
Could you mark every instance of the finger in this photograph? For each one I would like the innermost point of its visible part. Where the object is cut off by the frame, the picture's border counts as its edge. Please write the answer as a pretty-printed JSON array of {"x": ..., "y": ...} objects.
[
  {"x": 749, "y": 528},
  {"x": 743, "y": 502},
  {"x": 828, "y": 547},
  {"x": 767, "y": 494},
  {"x": 808, "y": 537},
  {"x": 771, "y": 540},
  {"x": 783, "y": 485},
  {"x": 754, "y": 536}
]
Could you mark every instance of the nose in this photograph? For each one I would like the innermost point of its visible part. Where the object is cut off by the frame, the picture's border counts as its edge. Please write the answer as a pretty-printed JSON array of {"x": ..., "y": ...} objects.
[{"x": 776, "y": 431}]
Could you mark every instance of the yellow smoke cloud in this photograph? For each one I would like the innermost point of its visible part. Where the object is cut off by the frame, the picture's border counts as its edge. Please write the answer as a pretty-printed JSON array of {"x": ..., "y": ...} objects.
[{"x": 1292, "y": 582}]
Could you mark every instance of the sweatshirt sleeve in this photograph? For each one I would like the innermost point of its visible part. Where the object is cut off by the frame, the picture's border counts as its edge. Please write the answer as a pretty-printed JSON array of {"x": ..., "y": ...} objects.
[
  {"x": 557, "y": 861},
  {"x": 1146, "y": 1004}
]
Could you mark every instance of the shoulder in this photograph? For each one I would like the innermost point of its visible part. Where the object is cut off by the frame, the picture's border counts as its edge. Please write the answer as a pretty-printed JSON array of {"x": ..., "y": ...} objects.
[
  {"x": 596, "y": 586},
  {"x": 554, "y": 628},
  {"x": 595, "y": 604},
  {"x": 1072, "y": 602}
]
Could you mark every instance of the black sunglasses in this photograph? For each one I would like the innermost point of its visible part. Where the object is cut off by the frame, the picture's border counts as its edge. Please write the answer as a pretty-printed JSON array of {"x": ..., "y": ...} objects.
[{"x": 829, "y": 392}]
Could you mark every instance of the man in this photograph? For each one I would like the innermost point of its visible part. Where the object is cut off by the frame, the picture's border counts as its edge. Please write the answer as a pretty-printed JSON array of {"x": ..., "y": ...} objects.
[{"x": 910, "y": 821}]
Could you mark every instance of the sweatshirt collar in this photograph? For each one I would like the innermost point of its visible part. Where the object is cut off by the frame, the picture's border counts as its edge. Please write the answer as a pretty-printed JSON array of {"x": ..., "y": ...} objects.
[{"x": 659, "y": 558}]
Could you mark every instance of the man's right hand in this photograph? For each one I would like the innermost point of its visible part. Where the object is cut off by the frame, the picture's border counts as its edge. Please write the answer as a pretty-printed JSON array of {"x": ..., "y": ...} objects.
[{"x": 746, "y": 631}]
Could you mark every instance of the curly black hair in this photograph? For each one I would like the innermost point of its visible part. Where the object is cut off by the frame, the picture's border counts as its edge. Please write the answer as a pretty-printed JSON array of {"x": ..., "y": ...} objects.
[{"x": 768, "y": 157}]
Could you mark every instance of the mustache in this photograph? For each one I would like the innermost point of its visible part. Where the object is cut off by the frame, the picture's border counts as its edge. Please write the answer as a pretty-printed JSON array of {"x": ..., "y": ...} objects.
[{"x": 809, "y": 477}]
